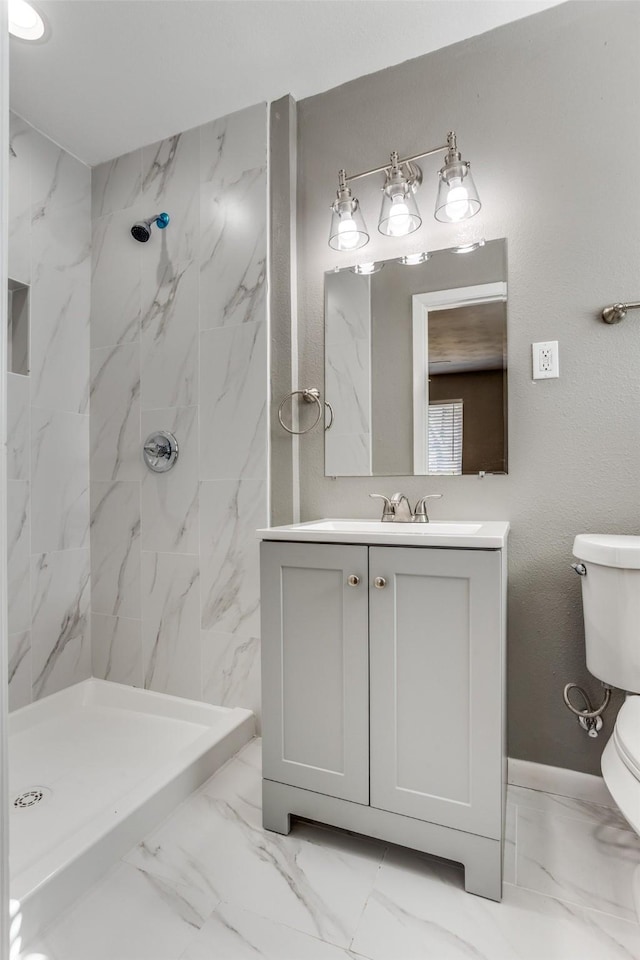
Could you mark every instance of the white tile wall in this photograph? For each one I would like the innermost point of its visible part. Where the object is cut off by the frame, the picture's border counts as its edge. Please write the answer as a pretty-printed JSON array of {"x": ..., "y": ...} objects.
[
  {"x": 48, "y": 420},
  {"x": 165, "y": 335},
  {"x": 178, "y": 337}
]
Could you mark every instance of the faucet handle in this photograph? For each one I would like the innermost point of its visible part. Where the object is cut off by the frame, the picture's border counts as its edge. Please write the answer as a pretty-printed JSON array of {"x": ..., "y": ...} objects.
[
  {"x": 388, "y": 511},
  {"x": 420, "y": 514}
]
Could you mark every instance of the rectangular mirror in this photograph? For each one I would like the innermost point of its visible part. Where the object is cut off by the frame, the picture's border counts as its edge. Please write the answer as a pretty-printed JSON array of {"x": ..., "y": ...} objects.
[{"x": 416, "y": 366}]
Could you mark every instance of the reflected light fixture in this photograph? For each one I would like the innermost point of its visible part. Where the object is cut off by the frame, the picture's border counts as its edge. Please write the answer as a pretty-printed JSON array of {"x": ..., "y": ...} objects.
[
  {"x": 457, "y": 198},
  {"x": 413, "y": 259},
  {"x": 24, "y": 21},
  {"x": 366, "y": 269}
]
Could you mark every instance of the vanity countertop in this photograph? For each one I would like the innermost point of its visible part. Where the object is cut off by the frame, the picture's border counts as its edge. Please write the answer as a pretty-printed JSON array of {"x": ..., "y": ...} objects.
[{"x": 464, "y": 534}]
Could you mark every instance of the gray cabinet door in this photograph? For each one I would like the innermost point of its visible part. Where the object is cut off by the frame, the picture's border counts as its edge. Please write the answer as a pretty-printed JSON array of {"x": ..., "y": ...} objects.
[
  {"x": 315, "y": 668},
  {"x": 436, "y": 686}
]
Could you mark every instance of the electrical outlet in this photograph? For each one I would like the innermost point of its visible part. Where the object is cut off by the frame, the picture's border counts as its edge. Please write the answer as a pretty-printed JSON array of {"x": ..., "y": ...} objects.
[{"x": 545, "y": 360}]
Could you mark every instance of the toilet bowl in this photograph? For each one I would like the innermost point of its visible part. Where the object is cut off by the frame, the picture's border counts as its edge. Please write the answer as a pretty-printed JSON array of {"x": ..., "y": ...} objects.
[{"x": 611, "y": 603}]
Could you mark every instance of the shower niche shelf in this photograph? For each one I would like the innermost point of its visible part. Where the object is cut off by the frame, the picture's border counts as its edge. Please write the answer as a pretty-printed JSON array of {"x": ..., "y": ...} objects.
[{"x": 18, "y": 328}]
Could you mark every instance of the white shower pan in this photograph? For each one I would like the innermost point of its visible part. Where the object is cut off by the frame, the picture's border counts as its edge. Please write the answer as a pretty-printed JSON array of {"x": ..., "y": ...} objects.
[{"x": 93, "y": 768}]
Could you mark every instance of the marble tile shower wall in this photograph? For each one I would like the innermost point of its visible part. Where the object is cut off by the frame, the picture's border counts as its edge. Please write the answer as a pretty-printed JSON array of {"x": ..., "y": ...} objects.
[
  {"x": 179, "y": 342},
  {"x": 48, "y": 420}
]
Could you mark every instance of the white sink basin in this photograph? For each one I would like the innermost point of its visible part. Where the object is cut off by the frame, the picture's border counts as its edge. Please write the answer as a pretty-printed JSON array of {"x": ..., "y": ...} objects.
[
  {"x": 479, "y": 535},
  {"x": 393, "y": 528}
]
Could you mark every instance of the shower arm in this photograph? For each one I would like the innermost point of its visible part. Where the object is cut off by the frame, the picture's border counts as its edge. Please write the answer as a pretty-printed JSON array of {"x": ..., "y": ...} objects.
[{"x": 618, "y": 311}]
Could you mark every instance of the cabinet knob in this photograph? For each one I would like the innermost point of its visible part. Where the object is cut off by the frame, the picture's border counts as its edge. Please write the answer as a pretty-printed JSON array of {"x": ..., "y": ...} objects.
[
  {"x": 380, "y": 582},
  {"x": 353, "y": 580}
]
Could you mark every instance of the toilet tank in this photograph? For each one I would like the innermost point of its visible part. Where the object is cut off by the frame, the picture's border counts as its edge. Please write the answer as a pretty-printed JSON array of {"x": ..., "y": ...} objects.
[{"x": 611, "y": 603}]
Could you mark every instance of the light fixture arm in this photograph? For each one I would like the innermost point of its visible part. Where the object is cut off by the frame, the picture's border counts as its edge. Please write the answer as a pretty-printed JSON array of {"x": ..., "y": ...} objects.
[{"x": 400, "y": 162}]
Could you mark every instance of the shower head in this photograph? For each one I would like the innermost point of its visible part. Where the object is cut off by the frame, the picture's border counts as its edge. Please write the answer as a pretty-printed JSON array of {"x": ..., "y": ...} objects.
[{"x": 141, "y": 231}]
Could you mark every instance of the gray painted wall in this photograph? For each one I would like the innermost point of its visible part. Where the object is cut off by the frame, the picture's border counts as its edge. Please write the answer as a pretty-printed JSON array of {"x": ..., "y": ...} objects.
[{"x": 524, "y": 98}]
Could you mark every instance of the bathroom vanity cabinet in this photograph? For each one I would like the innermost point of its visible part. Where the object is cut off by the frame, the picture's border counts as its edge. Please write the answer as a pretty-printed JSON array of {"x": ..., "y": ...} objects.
[{"x": 383, "y": 695}]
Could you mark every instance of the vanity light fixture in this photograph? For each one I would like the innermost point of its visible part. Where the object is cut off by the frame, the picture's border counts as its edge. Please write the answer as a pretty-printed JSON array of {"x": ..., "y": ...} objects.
[
  {"x": 413, "y": 259},
  {"x": 457, "y": 197},
  {"x": 348, "y": 231},
  {"x": 24, "y": 21},
  {"x": 366, "y": 269}
]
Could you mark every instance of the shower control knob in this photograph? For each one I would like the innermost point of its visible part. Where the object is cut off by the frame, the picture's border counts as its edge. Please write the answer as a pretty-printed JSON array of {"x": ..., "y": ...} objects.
[
  {"x": 353, "y": 580},
  {"x": 160, "y": 451},
  {"x": 380, "y": 582}
]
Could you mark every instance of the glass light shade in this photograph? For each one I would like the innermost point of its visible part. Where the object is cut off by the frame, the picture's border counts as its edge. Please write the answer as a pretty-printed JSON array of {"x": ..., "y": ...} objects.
[
  {"x": 25, "y": 22},
  {"x": 457, "y": 195},
  {"x": 399, "y": 214},
  {"x": 348, "y": 230}
]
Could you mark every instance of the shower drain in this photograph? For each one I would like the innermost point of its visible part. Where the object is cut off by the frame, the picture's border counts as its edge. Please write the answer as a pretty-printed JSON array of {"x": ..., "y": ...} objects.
[{"x": 31, "y": 797}]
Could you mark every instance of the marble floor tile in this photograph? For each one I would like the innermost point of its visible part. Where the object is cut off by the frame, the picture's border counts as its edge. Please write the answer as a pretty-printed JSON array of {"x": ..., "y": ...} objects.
[
  {"x": 235, "y": 934},
  {"x": 314, "y": 880},
  {"x": 130, "y": 915},
  {"x": 419, "y": 910},
  {"x": 580, "y": 861},
  {"x": 210, "y": 883},
  {"x": 555, "y": 805}
]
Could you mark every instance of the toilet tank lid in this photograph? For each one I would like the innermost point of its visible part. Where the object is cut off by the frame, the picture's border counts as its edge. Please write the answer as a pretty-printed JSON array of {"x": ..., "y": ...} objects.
[{"x": 609, "y": 550}]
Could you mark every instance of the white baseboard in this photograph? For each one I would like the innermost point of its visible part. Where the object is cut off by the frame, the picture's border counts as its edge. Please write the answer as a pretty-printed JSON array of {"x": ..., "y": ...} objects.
[{"x": 565, "y": 783}]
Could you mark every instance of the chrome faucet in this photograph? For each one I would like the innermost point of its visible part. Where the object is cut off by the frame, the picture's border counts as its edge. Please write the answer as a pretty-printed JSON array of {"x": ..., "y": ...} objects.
[
  {"x": 388, "y": 510},
  {"x": 401, "y": 508},
  {"x": 397, "y": 508},
  {"x": 420, "y": 514}
]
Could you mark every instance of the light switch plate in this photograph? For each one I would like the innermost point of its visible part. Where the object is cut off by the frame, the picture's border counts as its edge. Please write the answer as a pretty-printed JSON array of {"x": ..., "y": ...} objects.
[{"x": 545, "y": 360}]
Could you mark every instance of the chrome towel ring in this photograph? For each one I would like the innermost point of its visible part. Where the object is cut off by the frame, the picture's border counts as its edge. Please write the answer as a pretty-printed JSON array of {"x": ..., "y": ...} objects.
[{"x": 311, "y": 395}]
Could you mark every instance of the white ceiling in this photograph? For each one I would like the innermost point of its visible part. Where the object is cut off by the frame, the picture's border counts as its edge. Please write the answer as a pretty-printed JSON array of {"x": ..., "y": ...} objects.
[{"x": 117, "y": 74}]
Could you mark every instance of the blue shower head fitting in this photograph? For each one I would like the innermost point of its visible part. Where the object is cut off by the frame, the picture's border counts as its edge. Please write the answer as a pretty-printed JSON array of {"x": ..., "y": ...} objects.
[{"x": 141, "y": 231}]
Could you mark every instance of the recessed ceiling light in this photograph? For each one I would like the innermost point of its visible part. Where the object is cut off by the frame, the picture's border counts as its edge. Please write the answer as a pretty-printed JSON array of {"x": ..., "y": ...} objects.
[{"x": 24, "y": 21}]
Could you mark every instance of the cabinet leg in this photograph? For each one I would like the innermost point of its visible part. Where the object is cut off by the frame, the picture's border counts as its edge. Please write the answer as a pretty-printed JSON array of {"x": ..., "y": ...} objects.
[
  {"x": 274, "y": 817},
  {"x": 483, "y": 872}
]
